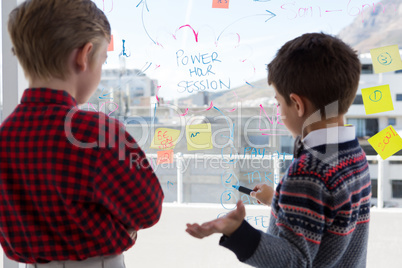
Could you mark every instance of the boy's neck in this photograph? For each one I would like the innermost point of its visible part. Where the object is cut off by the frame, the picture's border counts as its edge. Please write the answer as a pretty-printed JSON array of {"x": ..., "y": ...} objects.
[{"x": 328, "y": 123}]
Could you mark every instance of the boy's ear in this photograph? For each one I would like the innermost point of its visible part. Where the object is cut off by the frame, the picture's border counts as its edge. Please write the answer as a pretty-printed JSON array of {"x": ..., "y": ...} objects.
[
  {"x": 298, "y": 103},
  {"x": 82, "y": 57}
]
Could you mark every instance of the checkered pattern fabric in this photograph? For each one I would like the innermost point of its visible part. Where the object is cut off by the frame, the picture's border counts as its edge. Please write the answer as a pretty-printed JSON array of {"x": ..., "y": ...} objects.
[{"x": 71, "y": 182}]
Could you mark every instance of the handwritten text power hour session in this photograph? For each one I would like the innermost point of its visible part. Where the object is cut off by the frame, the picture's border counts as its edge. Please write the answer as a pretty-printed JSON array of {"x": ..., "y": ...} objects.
[{"x": 200, "y": 65}]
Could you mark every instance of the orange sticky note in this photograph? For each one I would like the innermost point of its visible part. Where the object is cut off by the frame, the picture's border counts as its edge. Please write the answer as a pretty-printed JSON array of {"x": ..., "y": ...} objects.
[
  {"x": 165, "y": 157},
  {"x": 111, "y": 44},
  {"x": 377, "y": 99},
  {"x": 220, "y": 3},
  {"x": 386, "y": 142}
]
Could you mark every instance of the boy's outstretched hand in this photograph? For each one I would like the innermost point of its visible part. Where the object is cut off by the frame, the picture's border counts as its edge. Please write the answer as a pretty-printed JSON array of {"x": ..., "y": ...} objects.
[
  {"x": 263, "y": 193},
  {"x": 225, "y": 225}
]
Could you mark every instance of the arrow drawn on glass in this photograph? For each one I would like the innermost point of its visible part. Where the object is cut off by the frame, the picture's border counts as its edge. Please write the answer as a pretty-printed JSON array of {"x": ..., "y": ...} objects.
[{"x": 269, "y": 14}]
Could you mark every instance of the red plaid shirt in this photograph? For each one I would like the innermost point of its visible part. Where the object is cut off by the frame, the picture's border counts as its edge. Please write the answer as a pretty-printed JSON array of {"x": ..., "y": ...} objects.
[{"x": 61, "y": 201}]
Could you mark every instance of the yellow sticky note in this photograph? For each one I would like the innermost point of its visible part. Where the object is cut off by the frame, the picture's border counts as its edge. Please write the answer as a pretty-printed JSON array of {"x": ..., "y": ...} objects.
[
  {"x": 386, "y": 59},
  {"x": 386, "y": 142},
  {"x": 377, "y": 99},
  {"x": 165, "y": 157},
  {"x": 199, "y": 137},
  {"x": 165, "y": 138}
]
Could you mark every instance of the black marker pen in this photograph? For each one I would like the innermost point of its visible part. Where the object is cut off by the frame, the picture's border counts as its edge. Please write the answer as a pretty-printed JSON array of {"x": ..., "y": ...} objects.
[{"x": 242, "y": 189}]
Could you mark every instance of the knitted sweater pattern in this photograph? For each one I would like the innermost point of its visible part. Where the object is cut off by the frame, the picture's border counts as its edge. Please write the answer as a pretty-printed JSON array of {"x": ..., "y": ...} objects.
[{"x": 320, "y": 211}]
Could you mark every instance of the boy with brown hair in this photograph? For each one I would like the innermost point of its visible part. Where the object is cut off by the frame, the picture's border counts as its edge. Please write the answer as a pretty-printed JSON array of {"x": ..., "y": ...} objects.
[
  {"x": 64, "y": 203},
  {"x": 321, "y": 208}
]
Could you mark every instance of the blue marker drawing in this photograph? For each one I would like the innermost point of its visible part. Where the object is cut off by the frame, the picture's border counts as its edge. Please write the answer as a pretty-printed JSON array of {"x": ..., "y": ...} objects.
[
  {"x": 194, "y": 135},
  {"x": 251, "y": 178},
  {"x": 384, "y": 58},
  {"x": 270, "y": 14},
  {"x": 144, "y": 5},
  {"x": 233, "y": 153},
  {"x": 146, "y": 68},
  {"x": 228, "y": 179},
  {"x": 123, "y": 53},
  {"x": 227, "y": 196},
  {"x": 249, "y": 84},
  {"x": 276, "y": 178},
  {"x": 266, "y": 177},
  {"x": 231, "y": 130},
  {"x": 102, "y": 97},
  {"x": 168, "y": 184}
]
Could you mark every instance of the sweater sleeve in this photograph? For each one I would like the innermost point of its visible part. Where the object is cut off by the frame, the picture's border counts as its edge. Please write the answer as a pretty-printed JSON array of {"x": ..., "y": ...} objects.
[{"x": 296, "y": 229}]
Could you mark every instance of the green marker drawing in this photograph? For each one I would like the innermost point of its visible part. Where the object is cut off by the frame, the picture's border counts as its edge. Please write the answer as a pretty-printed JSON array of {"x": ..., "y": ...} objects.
[
  {"x": 376, "y": 96},
  {"x": 384, "y": 58}
]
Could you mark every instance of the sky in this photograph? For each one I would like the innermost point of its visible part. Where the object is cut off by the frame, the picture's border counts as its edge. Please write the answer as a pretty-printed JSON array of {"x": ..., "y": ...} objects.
[{"x": 188, "y": 46}]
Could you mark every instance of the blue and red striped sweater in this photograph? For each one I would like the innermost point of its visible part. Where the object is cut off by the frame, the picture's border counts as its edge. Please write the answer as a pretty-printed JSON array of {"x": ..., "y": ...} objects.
[{"x": 320, "y": 213}]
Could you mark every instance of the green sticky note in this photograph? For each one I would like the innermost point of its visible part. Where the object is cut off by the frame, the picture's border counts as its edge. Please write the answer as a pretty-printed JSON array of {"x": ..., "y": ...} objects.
[
  {"x": 377, "y": 99},
  {"x": 199, "y": 137},
  {"x": 387, "y": 142},
  {"x": 165, "y": 138},
  {"x": 386, "y": 59}
]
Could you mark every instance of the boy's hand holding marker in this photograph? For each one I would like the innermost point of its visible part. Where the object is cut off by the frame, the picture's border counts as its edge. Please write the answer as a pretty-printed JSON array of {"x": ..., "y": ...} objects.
[{"x": 262, "y": 192}]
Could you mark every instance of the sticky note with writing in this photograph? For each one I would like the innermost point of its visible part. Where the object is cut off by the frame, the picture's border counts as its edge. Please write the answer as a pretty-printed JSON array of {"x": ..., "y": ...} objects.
[
  {"x": 165, "y": 138},
  {"x": 377, "y": 99},
  {"x": 220, "y": 3},
  {"x": 386, "y": 59},
  {"x": 386, "y": 142},
  {"x": 111, "y": 44},
  {"x": 199, "y": 137},
  {"x": 165, "y": 157}
]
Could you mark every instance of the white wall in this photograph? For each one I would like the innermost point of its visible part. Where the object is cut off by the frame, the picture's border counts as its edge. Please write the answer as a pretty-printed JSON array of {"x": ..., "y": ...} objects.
[{"x": 167, "y": 244}]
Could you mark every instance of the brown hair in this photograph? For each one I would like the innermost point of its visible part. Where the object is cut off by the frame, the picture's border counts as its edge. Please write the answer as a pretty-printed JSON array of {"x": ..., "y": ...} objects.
[
  {"x": 318, "y": 66},
  {"x": 45, "y": 32}
]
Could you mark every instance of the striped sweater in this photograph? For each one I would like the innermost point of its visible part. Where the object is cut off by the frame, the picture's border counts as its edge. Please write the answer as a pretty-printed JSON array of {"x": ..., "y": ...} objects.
[{"x": 320, "y": 214}]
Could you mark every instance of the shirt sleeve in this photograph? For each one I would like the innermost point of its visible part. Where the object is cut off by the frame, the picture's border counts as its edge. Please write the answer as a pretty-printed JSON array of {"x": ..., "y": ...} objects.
[
  {"x": 296, "y": 229},
  {"x": 126, "y": 184}
]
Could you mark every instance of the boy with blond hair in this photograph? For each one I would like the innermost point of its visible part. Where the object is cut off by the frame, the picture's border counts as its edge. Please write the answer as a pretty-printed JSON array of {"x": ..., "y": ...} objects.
[
  {"x": 320, "y": 210},
  {"x": 70, "y": 195}
]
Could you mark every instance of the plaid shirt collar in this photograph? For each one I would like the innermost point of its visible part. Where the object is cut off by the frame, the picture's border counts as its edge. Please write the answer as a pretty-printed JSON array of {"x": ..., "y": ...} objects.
[{"x": 47, "y": 95}]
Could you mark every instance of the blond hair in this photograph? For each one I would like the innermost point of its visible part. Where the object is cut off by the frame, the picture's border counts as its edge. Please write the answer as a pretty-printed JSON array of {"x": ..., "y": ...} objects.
[{"x": 45, "y": 32}]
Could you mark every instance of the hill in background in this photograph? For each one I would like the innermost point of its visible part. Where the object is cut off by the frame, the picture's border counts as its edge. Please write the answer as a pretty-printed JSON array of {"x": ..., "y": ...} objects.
[{"x": 378, "y": 26}]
